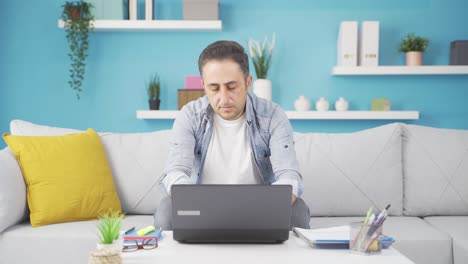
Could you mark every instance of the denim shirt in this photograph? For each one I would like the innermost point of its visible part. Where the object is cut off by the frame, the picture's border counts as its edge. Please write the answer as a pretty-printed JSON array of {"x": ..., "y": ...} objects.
[{"x": 269, "y": 133}]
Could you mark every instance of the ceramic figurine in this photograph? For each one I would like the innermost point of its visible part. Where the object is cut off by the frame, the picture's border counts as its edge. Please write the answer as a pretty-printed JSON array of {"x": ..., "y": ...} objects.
[
  {"x": 302, "y": 104},
  {"x": 341, "y": 104},
  {"x": 322, "y": 104}
]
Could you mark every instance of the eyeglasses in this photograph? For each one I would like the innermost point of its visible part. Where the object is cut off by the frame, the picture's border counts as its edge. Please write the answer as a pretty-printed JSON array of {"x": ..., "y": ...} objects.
[{"x": 131, "y": 244}]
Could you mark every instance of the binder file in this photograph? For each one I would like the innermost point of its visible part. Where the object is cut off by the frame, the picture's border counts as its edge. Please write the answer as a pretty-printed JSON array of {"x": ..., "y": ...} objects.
[
  {"x": 149, "y": 10},
  {"x": 132, "y": 9},
  {"x": 369, "y": 44},
  {"x": 347, "y": 44}
]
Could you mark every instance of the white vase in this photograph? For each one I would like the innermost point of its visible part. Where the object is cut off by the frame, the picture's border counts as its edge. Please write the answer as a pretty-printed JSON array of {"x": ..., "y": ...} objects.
[
  {"x": 302, "y": 104},
  {"x": 322, "y": 104},
  {"x": 262, "y": 88},
  {"x": 341, "y": 104}
]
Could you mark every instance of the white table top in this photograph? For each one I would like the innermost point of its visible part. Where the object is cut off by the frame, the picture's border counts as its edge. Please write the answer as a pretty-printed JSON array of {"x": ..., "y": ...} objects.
[{"x": 294, "y": 251}]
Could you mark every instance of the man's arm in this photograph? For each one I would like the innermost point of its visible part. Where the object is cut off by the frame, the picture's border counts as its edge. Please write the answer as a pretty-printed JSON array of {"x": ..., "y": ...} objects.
[
  {"x": 283, "y": 155},
  {"x": 181, "y": 153}
]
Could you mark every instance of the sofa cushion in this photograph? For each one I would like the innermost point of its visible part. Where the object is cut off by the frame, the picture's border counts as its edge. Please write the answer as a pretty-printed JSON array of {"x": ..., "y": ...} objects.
[
  {"x": 12, "y": 191},
  {"x": 59, "y": 243},
  {"x": 344, "y": 174},
  {"x": 24, "y": 128},
  {"x": 414, "y": 238},
  {"x": 137, "y": 161},
  {"x": 435, "y": 163},
  {"x": 457, "y": 228},
  {"x": 68, "y": 177}
]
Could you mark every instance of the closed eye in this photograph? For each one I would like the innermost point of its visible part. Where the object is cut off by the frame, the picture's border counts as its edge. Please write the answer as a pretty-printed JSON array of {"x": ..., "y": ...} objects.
[
  {"x": 213, "y": 87},
  {"x": 231, "y": 85}
]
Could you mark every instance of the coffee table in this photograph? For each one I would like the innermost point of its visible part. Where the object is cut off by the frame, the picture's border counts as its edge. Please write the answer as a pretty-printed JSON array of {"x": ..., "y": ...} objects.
[{"x": 294, "y": 251}]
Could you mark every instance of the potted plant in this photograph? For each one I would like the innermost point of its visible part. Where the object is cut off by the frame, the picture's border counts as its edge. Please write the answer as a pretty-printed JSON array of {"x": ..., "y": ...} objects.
[
  {"x": 109, "y": 230},
  {"x": 77, "y": 17},
  {"x": 261, "y": 58},
  {"x": 154, "y": 91},
  {"x": 413, "y": 46}
]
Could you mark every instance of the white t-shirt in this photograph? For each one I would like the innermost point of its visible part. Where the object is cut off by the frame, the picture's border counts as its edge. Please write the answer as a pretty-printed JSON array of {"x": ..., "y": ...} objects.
[{"x": 229, "y": 158}]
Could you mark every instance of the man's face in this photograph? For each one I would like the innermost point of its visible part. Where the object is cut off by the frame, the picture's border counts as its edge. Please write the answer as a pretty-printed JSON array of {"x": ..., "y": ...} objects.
[{"x": 226, "y": 87}]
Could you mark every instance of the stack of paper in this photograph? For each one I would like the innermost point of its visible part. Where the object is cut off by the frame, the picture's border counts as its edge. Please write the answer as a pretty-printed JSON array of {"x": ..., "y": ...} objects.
[
  {"x": 347, "y": 44},
  {"x": 334, "y": 236},
  {"x": 339, "y": 234}
]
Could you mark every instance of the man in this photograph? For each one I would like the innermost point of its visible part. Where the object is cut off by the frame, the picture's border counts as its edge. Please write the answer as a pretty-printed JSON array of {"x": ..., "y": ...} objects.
[{"x": 230, "y": 136}]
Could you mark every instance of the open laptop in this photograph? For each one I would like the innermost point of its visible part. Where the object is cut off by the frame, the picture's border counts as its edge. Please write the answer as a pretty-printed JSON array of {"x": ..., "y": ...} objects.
[{"x": 231, "y": 213}]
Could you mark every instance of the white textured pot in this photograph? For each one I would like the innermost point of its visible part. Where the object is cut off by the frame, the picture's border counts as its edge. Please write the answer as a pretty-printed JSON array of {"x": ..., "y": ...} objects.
[
  {"x": 302, "y": 104},
  {"x": 117, "y": 244},
  {"x": 322, "y": 104},
  {"x": 341, "y": 104},
  {"x": 262, "y": 88}
]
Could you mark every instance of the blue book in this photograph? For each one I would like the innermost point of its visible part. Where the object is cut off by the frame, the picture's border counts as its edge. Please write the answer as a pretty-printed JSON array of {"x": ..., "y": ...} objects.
[{"x": 132, "y": 235}]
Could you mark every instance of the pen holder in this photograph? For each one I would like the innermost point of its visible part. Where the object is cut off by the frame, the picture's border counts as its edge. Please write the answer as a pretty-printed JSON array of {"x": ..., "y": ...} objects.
[{"x": 365, "y": 239}]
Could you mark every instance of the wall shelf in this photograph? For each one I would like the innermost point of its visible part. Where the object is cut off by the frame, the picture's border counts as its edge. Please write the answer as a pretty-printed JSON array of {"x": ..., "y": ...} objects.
[
  {"x": 149, "y": 25},
  {"x": 401, "y": 70},
  {"x": 156, "y": 114},
  {"x": 353, "y": 115},
  {"x": 308, "y": 115}
]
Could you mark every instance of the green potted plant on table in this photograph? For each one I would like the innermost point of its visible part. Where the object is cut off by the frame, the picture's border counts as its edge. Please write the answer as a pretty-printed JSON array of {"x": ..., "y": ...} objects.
[
  {"x": 154, "y": 92},
  {"x": 413, "y": 46},
  {"x": 77, "y": 17},
  {"x": 261, "y": 58},
  {"x": 109, "y": 230}
]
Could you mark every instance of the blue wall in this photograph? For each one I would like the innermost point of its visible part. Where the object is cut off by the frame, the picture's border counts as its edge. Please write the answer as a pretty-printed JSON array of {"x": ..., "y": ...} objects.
[{"x": 34, "y": 63}]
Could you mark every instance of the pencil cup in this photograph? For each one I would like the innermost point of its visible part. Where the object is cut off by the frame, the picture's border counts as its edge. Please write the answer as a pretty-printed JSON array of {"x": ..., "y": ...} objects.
[{"x": 365, "y": 239}]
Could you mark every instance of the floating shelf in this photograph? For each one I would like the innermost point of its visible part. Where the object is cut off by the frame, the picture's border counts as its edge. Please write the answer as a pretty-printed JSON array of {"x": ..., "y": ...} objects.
[
  {"x": 401, "y": 70},
  {"x": 148, "y": 25},
  {"x": 156, "y": 114},
  {"x": 356, "y": 115},
  {"x": 308, "y": 115}
]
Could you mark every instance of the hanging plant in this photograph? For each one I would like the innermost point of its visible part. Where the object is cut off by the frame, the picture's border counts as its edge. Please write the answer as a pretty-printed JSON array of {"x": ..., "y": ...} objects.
[{"x": 77, "y": 17}]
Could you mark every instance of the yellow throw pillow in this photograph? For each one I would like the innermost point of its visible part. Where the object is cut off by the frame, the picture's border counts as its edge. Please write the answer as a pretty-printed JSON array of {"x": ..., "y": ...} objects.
[{"x": 68, "y": 177}]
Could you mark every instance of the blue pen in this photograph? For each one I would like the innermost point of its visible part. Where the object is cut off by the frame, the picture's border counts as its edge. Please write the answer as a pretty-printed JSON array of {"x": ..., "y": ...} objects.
[
  {"x": 159, "y": 233},
  {"x": 382, "y": 215},
  {"x": 130, "y": 230}
]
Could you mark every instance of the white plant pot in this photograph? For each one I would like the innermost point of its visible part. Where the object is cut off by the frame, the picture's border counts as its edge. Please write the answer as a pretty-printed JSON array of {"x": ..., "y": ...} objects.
[
  {"x": 262, "y": 88},
  {"x": 117, "y": 244}
]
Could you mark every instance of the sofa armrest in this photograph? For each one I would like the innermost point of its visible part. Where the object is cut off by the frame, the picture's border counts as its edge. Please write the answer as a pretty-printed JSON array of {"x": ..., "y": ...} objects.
[{"x": 13, "y": 205}]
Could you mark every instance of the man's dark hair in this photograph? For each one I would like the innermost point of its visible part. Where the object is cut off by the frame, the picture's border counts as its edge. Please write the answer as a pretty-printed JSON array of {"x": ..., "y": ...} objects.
[{"x": 224, "y": 49}]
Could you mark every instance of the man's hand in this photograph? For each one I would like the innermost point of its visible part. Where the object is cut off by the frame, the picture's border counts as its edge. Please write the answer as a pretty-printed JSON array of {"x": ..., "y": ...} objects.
[{"x": 293, "y": 200}]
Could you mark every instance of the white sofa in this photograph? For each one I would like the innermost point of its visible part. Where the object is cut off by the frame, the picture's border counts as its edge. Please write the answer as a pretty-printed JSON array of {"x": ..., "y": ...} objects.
[{"x": 421, "y": 171}]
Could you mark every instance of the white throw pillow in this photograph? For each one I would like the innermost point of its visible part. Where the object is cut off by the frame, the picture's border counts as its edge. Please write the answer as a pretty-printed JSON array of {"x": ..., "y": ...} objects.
[
  {"x": 345, "y": 174},
  {"x": 13, "y": 206},
  {"x": 137, "y": 161},
  {"x": 435, "y": 171},
  {"x": 24, "y": 128}
]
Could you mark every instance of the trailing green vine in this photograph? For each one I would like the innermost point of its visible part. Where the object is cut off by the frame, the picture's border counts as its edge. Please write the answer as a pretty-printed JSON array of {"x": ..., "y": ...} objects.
[{"x": 77, "y": 17}]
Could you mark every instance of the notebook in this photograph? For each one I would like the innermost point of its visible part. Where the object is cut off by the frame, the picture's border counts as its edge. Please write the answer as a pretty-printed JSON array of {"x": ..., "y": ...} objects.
[
  {"x": 132, "y": 235},
  {"x": 332, "y": 237}
]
